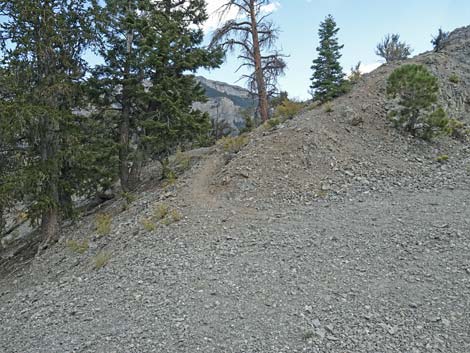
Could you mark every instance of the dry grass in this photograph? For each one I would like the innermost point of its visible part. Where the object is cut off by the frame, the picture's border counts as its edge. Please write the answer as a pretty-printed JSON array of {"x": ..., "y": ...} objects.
[
  {"x": 148, "y": 224},
  {"x": 77, "y": 246},
  {"x": 233, "y": 144},
  {"x": 160, "y": 211},
  {"x": 103, "y": 224},
  {"x": 101, "y": 260}
]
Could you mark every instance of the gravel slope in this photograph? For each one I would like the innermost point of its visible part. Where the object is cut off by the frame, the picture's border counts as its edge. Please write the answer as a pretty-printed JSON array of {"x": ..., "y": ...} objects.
[{"x": 376, "y": 274}]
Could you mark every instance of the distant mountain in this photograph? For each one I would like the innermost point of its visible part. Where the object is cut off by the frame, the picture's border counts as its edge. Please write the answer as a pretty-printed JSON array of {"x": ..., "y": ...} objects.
[{"x": 226, "y": 102}]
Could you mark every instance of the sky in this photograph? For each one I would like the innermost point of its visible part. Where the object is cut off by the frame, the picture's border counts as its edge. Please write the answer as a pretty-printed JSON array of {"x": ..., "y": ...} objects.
[{"x": 362, "y": 23}]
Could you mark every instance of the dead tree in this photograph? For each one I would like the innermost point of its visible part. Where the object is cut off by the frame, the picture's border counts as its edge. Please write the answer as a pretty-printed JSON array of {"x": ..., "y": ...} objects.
[{"x": 254, "y": 35}]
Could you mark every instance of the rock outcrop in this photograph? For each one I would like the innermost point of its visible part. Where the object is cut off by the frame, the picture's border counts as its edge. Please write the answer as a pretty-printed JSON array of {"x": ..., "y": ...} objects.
[{"x": 226, "y": 103}]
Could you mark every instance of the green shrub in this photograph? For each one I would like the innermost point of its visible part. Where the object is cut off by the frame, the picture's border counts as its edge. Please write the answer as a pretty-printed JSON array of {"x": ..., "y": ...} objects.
[
  {"x": 272, "y": 123},
  {"x": 182, "y": 160},
  {"x": 248, "y": 117},
  {"x": 160, "y": 211},
  {"x": 148, "y": 224},
  {"x": 168, "y": 174},
  {"x": 233, "y": 144},
  {"x": 457, "y": 129},
  {"x": 328, "y": 107},
  {"x": 176, "y": 215},
  {"x": 77, "y": 246},
  {"x": 128, "y": 198},
  {"x": 103, "y": 224},
  {"x": 288, "y": 109},
  {"x": 101, "y": 260},
  {"x": 442, "y": 158},
  {"x": 454, "y": 78},
  {"x": 416, "y": 90},
  {"x": 173, "y": 217},
  {"x": 434, "y": 124}
]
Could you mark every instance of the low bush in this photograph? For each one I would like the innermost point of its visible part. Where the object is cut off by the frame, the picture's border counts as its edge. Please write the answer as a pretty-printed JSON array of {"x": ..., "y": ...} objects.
[
  {"x": 233, "y": 144},
  {"x": 288, "y": 109},
  {"x": 128, "y": 198},
  {"x": 79, "y": 247},
  {"x": 454, "y": 78},
  {"x": 148, "y": 224},
  {"x": 173, "y": 217},
  {"x": 103, "y": 224},
  {"x": 160, "y": 211},
  {"x": 442, "y": 158},
  {"x": 182, "y": 160},
  {"x": 328, "y": 107},
  {"x": 176, "y": 215},
  {"x": 457, "y": 129},
  {"x": 272, "y": 123}
]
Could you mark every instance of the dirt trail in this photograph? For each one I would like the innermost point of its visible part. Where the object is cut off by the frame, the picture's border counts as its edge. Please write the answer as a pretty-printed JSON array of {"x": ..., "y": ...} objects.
[{"x": 200, "y": 194}]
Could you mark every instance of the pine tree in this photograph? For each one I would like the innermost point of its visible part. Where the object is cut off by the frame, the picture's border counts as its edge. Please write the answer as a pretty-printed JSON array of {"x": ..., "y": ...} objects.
[
  {"x": 150, "y": 50},
  {"x": 417, "y": 92},
  {"x": 328, "y": 77},
  {"x": 42, "y": 75}
]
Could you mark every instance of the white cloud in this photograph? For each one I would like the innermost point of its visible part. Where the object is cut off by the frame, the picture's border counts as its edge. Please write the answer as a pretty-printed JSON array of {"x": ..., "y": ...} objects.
[
  {"x": 366, "y": 68},
  {"x": 272, "y": 7},
  {"x": 215, "y": 19}
]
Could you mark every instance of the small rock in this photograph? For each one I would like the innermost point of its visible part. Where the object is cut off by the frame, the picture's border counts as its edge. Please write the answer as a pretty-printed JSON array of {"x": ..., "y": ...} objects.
[{"x": 316, "y": 323}]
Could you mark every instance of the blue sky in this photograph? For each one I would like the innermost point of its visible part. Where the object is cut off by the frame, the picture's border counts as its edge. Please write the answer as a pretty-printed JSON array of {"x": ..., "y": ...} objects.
[{"x": 362, "y": 23}]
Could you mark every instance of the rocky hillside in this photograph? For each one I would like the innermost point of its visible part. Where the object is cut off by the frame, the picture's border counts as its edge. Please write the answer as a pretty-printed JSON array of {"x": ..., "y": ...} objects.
[
  {"x": 354, "y": 146},
  {"x": 226, "y": 103},
  {"x": 332, "y": 232}
]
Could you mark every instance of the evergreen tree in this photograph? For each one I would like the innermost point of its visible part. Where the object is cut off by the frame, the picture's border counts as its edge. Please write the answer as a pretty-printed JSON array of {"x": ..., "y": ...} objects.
[
  {"x": 150, "y": 50},
  {"x": 416, "y": 90},
  {"x": 328, "y": 77},
  {"x": 42, "y": 75}
]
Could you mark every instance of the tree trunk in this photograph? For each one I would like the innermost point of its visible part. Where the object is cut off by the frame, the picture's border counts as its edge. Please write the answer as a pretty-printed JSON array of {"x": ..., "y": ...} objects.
[
  {"x": 50, "y": 216},
  {"x": 260, "y": 82},
  {"x": 124, "y": 150},
  {"x": 125, "y": 120},
  {"x": 2, "y": 221},
  {"x": 134, "y": 176},
  {"x": 412, "y": 122},
  {"x": 50, "y": 226}
]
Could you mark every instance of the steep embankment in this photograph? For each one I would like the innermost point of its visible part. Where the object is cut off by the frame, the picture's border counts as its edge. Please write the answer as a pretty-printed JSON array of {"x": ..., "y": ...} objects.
[
  {"x": 331, "y": 233},
  {"x": 354, "y": 146}
]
